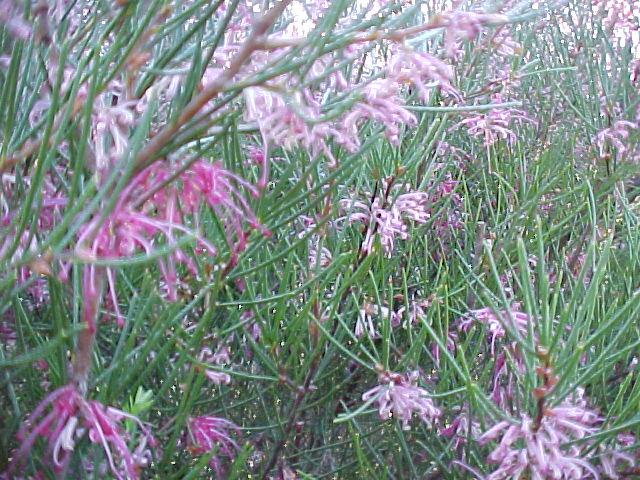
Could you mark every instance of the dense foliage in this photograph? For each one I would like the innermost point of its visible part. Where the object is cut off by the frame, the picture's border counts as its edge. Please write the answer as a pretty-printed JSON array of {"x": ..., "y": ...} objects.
[{"x": 344, "y": 239}]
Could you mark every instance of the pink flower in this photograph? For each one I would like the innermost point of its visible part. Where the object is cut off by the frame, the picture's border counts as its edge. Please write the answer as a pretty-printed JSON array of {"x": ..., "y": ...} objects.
[
  {"x": 380, "y": 102},
  {"x": 398, "y": 396},
  {"x": 460, "y": 26},
  {"x": 503, "y": 380},
  {"x": 494, "y": 124},
  {"x": 208, "y": 433},
  {"x": 495, "y": 324},
  {"x": 319, "y": 256},
  {"x": 13, "y": 22},
  {"x": 111, "y": 127},
  {"x": 416, "y": 310},
  {"x": 540, "y": 451},
  {"x": 617, "y": 457},
  {"x": 51, "y": 205},
  {"x": 462, "y": 429},
  {"x": 289, "y": 120},
  {"x": 615, "y": 136},
  {"x": 221, "y": 357},
  {"x": 505, "y": 45},
  {"x": 387, "y": 221},
  {"x": 70, "y": 416},
  {"x": 148, "y": 210},
  {"x": 365, "y": 324},
  {"x": 421, "y": 70}
]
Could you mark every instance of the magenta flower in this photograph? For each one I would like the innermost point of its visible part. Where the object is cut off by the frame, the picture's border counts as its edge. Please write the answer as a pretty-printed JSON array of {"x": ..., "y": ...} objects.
[
  {"x": 462, "y": 429},
  {"x": 208, "y": 433},
  {"x": 398, "y": 396},
  {"x": 70, "y": 416},
  {"x": 136, "y": 226}
]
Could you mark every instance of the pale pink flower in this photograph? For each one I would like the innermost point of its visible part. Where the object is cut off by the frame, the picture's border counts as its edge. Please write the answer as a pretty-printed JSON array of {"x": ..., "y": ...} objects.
[
  {"x": 413, "y": 313},
  {"x": 504, "y": 44},
  {"x": 460, "y": 26},
  {"x": 11, "y": 17},
  {"x": 422, "y": 71},
  {"x": 541, "y": 451},
  {"x": 365, "y": 321},
  {"x": 494, "y": 124},
  {"x": 399, "y": 397},
  {"x": 220, "y": 357},
  {"x": 617, "y": 456},
  {"x": 319, "y": 256},
  {"x": 495, "y": 323},
  {"x": 380, "y": 102},
  {"x": 615, "y": 136},
  {"x": 387, "y": 219},
  {"x": 111, "y": 128},
  {"x": 70, "y": 416},
  {"x": 289, "y": 120},
  {"x": 619, "y": 16},
  {"x": 207, "y": 433}
]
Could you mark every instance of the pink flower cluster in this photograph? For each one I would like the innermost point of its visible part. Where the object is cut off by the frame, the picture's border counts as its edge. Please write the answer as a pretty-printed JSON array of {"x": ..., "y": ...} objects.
[
  {"x": 51, "y": 204},
  {"x": 290, "y": 116},
  {"x": 136, "y": 226},
  {"x": 494, "y": 124},
  {"x": 206, "y": 433},
  {"x": 398, "y": 396},
  {"x": 12, "y": 20},
  {"x": 220, "y": 357},
  {"x": 495, "y": 323},
  {"x": 616, "y": 135},
  {"x": 70, "y": 416},
  {"x": 550, "y": 448},
  {"x": 387, "y": 219}
]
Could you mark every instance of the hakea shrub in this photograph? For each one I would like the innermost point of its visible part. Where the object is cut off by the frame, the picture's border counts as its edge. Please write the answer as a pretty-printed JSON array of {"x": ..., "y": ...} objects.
[{"x": 219, "y": 145}]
